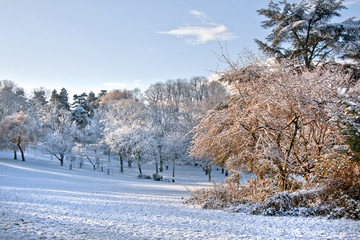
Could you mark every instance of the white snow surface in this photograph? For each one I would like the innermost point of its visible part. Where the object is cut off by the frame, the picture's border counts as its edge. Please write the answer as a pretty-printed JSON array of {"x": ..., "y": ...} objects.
[{"x": 41, "y": 200}]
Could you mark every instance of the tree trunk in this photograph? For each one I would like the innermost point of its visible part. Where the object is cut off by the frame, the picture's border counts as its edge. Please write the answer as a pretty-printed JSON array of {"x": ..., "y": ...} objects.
[
  {"x": 139, "y": 167},
  {"x": 156, "y": 167},
  {"x": 15, "y": 155},
  {"x": 61, "y": 159},
  {"x": 138, "y": 162},
  {"x": 121, "y": 162},
  {"x": 21, "y": 150},
  {"x": 173, "y": 171},
  {"x": 210, "y": 172},
  {"x": 93, "y": 164},
  {"x": 129, "y": 163},
  {"x": 161, "y": 163}
]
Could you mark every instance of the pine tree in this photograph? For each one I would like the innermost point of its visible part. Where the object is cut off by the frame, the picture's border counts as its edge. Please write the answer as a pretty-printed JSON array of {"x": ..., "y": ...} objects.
[
  {"x": 306, "y": 31},
  {"x": 61, "y": 100}
]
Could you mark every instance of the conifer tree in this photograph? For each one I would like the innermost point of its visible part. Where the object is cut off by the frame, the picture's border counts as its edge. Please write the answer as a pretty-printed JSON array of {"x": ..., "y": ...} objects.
[{"x": 306, "y": 31}]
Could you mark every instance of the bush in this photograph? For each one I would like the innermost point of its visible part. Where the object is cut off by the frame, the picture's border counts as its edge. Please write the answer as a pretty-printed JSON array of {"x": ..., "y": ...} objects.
[
  {"x": 143, "y": 176},
  {"x": 157, "y": 177},
  {"x": 332, "y": 191}
]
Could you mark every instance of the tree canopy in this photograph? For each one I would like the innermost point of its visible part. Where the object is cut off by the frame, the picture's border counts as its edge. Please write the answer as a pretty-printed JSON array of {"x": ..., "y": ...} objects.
[{"x": 306, "y": 31}]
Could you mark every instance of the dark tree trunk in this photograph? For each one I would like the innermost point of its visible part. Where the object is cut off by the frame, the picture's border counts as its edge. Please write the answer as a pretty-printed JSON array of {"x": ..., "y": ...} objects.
[
  {"x": 173, "y": 171},
  {"x": 156, "y": 167},
  {"x": 138, "y": 162},
  {"x": 210, "y": 172},
  {"x": 61, "y": 159},
  {"x": 206, "y": 170},
  {"x": 15, "y": 155},
  {"x": 93, "y": 164},
  {"x": 161, "y": 163},
  {"x": 21, "y": 150},
  {"x": 121, "y": 162},
  {"x": 139, "y": 167}
]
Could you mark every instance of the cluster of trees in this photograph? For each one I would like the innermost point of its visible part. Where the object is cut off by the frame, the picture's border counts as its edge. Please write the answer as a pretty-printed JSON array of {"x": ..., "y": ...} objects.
[
  {"x": 293, "y": 119},
  {"x": 139, "y": 127}
]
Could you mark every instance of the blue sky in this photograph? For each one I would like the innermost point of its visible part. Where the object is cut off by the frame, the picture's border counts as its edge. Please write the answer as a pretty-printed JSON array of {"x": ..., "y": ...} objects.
[{"x": 85, "y": 45}]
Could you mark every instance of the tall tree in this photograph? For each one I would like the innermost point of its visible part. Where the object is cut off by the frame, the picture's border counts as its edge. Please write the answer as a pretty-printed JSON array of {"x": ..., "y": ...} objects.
[
  {"x": 278, "y": 125},
  {"x": 306, "y": 31},
  {"x": 17, "y": 131},
  {"x": 61, "y": 100}
]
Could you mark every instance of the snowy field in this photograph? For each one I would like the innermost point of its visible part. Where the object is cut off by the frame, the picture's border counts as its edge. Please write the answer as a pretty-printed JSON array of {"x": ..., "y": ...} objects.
[{"x": 41, "y": 200}]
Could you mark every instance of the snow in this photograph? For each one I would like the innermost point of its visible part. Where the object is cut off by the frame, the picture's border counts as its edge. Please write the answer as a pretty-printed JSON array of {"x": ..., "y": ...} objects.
[{"x": 41, "y": 200}]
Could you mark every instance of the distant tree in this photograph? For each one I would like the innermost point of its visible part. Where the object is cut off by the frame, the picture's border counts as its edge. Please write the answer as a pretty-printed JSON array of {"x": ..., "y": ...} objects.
[
  {"x": 17, "y": 131},
  {"x": 306, "y": 31},
  {"x": 176, "y": 148},
  {"x": 116, "y": 95},
  {"x": 80, "y": 117},
  {"x": 61, "y": 100},
  {"x": 93, "y": 103},
  {"x": 39, "y": 96},
  {"x": 12, "y": 98},
  {"x": 198, "y": 87},
  {"x": 58, "y": 132},
  {"x": 118, "y": 141},
  {"x": 155, "y": 93},
  {"x": 90, "y": 139}
]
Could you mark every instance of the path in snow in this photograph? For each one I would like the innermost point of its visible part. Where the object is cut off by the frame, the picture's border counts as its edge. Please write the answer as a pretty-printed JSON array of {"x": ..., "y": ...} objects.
[{"x": 41, "y": 200}]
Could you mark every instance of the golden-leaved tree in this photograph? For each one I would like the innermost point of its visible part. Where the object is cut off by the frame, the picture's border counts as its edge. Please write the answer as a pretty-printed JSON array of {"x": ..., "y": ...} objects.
[
  {"x": 17, "y": 131},
  {"x": 279, "y": 121}
]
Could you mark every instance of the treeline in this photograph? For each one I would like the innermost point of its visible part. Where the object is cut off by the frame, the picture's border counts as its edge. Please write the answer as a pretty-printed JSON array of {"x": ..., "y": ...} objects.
[{"x": 151, "y": 126}]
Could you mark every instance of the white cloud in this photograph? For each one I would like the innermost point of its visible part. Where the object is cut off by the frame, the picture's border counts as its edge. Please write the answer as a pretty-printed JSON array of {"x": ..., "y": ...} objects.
[
  {"x": 207, "y": 31},
  {"x": 202, "y": 16}
]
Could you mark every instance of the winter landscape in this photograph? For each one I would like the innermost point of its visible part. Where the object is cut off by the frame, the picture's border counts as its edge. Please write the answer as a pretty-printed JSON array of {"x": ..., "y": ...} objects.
[
  {"x": 40, "y": 200},
  {"x": 265, "y": 147}
]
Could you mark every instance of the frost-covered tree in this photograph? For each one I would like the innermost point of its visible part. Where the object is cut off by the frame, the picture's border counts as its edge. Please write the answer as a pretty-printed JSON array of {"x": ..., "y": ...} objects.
[
  {"x": 132, "y": 141},
  {"x": 60, "y": 143},
  {"x": 60, "y": 100},
  {"x": 12, "y": 98},
  {"x": 17, "y": 131},
  {"x": 176, "y": 149},
  {"x": 90, "y": 139},
  {"x": 280, "y": 121},
  {"x": 118, "y": 141},
  {"x": 306, "y": 31},
  {"x": 80, "y": 117},
  {"x": 58, "y": 132},
  {"x": 39, "y": 97},
  {"x": 139, "y": 143}
]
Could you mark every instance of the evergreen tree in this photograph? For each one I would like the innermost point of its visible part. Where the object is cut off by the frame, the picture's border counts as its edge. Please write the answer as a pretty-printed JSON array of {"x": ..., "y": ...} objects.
[
  {"x": 39, "y": 97},
  {"x": 306, "y": 31},
  {"x": 64, "y": 99},
  {"x": 61, "y": 100}
]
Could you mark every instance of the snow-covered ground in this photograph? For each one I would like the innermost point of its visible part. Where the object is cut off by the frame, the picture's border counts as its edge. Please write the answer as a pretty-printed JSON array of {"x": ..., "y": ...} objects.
[{"x": 41, "y": 200}]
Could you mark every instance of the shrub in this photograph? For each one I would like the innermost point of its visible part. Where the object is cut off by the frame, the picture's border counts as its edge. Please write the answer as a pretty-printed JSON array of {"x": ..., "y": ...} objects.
[{"x": 143, "y": 176}]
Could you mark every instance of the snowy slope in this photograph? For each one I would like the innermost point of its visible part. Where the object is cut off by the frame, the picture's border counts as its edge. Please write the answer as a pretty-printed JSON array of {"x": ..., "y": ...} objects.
[{"x": 41, "y": 200}]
